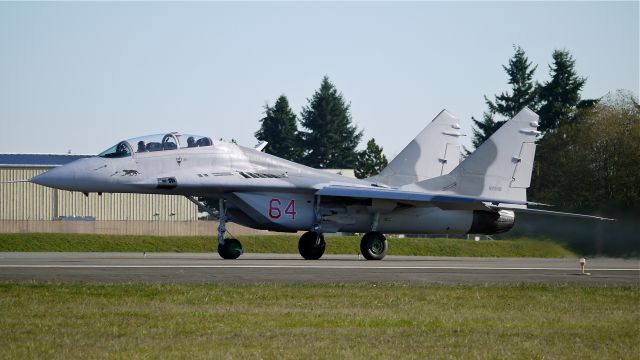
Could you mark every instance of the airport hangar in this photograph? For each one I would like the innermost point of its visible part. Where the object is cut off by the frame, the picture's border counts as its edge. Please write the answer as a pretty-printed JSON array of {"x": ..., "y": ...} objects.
[{"x": 27, "y": 207}]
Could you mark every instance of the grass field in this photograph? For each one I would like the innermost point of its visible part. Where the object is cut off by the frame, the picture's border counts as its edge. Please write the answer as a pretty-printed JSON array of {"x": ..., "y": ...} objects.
[
  {"x": 292, "y": 321},
  {"x": 284, "y": 244}
]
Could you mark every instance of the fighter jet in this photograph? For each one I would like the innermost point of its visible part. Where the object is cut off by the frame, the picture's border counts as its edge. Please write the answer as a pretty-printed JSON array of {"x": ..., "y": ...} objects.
[{"x": 423, "y": 191}]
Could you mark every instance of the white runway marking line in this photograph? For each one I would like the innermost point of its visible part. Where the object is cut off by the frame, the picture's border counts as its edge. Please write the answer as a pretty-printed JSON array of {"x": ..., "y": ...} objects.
[{"x": 294, "y": 267}]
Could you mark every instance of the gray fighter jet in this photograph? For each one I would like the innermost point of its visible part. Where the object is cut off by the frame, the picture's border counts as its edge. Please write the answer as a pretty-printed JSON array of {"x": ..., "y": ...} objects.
[{"x": 422, "y": 191}]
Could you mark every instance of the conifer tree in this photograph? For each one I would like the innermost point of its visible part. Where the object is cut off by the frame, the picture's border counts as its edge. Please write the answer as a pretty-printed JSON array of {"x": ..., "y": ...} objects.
[
  {"x": 279, "y": 128},
  {"x": 506, "y": 105},
  {"x": 560, "y": 95},
  {"x": 370, "y": 161},
  {"x": 488, "y": 125},
  {"x": 330, "y": 138}
]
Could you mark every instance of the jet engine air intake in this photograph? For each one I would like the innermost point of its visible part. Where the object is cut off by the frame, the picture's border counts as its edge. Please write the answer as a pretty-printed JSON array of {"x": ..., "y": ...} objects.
[{"x": 491, "y": 222}]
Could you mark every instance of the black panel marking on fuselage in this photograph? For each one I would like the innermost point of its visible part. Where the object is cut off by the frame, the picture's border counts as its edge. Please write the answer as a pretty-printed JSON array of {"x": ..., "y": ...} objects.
[{"x": 167, "y": 183}]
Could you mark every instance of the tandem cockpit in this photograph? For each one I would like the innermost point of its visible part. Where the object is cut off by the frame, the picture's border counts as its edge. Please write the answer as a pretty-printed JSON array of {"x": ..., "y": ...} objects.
[{"x": 153, "y": 143}]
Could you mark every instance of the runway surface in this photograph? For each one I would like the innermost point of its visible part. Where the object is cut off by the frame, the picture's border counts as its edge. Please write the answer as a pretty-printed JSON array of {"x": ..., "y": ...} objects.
[{"x": 291, "y": 269}]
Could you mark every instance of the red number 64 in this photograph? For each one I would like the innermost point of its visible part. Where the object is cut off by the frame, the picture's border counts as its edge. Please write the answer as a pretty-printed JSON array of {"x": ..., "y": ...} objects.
[{"x": 275, "y": 211}]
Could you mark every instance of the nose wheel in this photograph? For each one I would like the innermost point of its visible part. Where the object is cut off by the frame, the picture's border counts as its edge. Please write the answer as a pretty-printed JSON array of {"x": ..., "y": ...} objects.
[
  {"x": 311, "y": 245},
  {"x": 373, "y": 246},
  {"x": 230, "y": 249}
]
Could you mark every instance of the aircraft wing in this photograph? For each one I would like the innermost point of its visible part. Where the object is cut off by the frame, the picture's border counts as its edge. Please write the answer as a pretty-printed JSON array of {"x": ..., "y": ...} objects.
[{"x": 446, "y": 202}]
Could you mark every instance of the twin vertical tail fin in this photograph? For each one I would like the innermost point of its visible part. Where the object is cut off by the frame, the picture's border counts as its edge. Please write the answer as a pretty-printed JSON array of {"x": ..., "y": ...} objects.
[
  {"x": 434, "y": 152},
  {"x": 500, "y": 168}
]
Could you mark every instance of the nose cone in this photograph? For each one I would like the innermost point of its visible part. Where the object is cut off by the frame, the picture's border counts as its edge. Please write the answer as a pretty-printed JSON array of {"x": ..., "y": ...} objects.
[{"x": 62, "y": 177}]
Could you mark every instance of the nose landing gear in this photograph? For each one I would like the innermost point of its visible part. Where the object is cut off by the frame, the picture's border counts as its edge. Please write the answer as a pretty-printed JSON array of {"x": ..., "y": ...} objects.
[{"x": 227, "y": 248}]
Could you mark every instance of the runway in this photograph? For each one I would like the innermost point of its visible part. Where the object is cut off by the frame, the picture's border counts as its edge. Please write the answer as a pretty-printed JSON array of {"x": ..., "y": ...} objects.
[{"x": 291, "y": 269}]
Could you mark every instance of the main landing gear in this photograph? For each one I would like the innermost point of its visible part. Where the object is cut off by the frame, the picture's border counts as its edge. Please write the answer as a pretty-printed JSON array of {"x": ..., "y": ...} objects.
[
  {"x": 373, "y": 246},
  {"x": 311, "y": 245}
]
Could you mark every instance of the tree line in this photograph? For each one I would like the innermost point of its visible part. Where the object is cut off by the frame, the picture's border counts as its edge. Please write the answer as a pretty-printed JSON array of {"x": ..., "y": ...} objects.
[
  {"x": 555, "y": 100},
  {"x": 328, "y": 138}
]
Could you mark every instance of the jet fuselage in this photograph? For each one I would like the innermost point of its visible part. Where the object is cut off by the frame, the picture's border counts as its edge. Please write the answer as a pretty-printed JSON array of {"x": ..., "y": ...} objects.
[{"x": 262, "y": 191}]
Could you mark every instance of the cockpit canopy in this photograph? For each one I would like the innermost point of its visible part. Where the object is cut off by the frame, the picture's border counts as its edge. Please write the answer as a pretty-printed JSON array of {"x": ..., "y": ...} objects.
[{"x": 158, "y": 142}]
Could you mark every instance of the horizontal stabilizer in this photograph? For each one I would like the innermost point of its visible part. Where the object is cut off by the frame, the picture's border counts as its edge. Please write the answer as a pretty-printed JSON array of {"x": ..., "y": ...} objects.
[{"x": 547, "y": 212}]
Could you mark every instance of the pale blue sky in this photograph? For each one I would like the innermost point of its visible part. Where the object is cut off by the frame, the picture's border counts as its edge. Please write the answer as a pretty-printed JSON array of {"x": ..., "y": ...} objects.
[{"x": 82, "y": 76}]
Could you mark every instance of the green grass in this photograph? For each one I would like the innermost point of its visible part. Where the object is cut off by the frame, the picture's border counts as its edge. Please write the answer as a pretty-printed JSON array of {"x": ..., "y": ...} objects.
[
  {"x": 298, "y": 321},
  {"x": 276, "y": 244}
]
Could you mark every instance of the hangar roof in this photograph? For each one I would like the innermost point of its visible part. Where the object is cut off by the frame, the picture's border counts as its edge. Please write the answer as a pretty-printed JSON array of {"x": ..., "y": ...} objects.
[{"x": 37, "y": 160}]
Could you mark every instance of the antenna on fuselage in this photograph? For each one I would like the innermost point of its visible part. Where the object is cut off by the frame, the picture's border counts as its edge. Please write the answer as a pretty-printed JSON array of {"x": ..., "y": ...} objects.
[{"x": 261, "y": 145}]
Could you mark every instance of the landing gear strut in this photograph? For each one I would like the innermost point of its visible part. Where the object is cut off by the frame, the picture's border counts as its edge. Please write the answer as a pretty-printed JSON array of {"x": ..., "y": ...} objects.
[
  {"x": 311, "y": 245},
  {"x": 373, "y": 246},
  {"x": 227, "y": 248}
]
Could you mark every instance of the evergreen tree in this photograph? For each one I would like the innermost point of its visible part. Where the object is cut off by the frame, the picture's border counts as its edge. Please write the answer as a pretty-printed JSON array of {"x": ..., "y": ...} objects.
[
  {"x": 561, "y": 94},
  {"x": 488, "y": 125},
  {"x": 523, "y": 93},
  {"x": 330, "y": 137},
  {"x": 279, "y": 128},
  {"x": 370, "y": 161}
]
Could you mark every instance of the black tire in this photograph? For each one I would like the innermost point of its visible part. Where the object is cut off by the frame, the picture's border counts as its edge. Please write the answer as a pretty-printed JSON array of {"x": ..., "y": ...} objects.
[
  {"x": 307, "y": 245},
  {"x": 374, "y": 246},
  {"x": 231, "y": 249}
]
